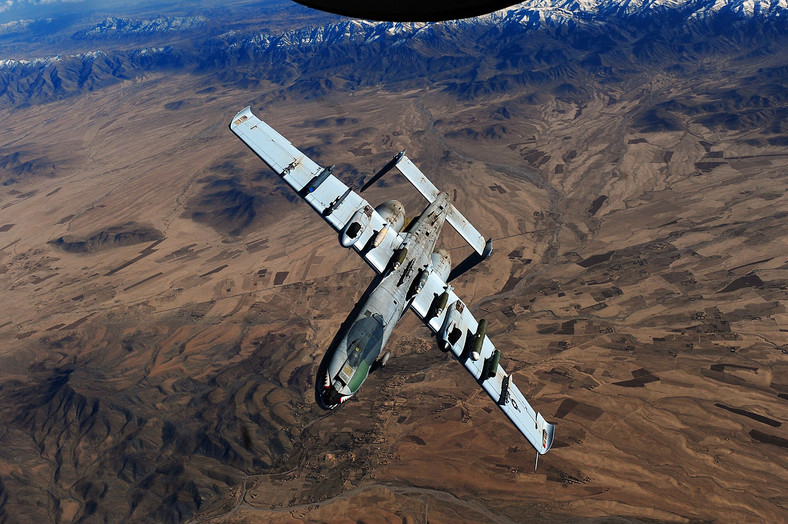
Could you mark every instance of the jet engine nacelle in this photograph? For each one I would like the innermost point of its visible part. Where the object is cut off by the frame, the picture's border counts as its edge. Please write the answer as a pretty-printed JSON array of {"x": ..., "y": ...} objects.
[
  {"x": 355, "y": 226},
  {"x": 392, "y": 212},
  {"x": 441, "y": 263}
]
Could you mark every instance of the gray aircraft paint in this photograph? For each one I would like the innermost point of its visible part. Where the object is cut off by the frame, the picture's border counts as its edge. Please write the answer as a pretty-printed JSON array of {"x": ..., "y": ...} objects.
[{"x": 369, "y": 331}]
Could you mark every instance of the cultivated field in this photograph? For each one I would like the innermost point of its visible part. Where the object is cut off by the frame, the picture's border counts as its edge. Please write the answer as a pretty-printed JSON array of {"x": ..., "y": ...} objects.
[{"x": 167, "y": 302}]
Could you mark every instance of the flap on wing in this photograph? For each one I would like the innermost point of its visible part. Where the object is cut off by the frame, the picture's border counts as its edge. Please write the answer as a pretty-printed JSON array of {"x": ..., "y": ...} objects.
[{"x": 292, "y": 165}]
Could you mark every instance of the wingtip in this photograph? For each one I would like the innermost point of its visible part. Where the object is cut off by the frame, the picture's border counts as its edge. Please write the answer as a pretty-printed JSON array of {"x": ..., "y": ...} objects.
[
  {"x": 240, "y": 116},
  {"x": 488, "y": 249},
  {"x": 550, "y": 429}
]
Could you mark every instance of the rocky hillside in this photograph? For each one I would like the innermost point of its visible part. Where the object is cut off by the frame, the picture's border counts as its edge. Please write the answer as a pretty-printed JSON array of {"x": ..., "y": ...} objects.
[{"x": 535, "y": 43}]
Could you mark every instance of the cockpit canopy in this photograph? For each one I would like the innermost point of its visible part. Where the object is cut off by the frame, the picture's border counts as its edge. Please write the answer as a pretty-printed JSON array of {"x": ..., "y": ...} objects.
[{"x": 364, "y": 345}]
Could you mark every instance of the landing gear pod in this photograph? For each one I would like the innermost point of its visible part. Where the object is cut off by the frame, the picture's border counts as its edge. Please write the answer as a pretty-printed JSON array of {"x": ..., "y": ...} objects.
[
  {"x": 478, "y": 340},
  {"x": 441, "y": 263},
  {"x": 453, "y": 333},
  {"x": 355, "y": 226}
]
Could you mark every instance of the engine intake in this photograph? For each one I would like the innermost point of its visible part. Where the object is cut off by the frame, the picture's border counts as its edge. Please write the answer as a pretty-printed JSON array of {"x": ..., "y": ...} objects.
[{"x": 392, "y": 212}]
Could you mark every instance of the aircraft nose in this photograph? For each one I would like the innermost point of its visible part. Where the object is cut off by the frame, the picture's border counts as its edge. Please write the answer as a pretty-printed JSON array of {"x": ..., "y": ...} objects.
[{"x": 331, "y": 396}]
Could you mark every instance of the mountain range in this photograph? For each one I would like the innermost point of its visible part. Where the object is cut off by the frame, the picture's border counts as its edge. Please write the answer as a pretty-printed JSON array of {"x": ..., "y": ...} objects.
[{"x": 534, "y": 42}]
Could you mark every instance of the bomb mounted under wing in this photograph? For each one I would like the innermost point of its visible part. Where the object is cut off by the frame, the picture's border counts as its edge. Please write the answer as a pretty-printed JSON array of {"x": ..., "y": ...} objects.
[{"x": 411, "y": 272}]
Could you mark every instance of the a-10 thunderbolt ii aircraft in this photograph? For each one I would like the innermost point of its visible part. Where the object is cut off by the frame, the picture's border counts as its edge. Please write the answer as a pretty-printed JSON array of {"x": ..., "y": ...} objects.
[{"x": 410, "y": 272}]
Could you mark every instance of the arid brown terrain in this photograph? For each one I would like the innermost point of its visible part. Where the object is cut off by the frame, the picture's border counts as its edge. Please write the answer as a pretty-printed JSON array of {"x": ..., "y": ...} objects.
[{"x": 166, "y": 303}]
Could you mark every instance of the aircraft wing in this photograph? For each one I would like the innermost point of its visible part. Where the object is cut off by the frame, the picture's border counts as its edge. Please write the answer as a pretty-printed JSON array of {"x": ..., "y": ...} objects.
[
  {"x": 500, "y": 386},
  {"x": 330, "y": 197}
]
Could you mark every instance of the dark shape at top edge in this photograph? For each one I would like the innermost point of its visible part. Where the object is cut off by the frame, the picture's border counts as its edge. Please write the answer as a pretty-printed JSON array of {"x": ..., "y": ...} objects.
[{"x": 409, "y": 10}]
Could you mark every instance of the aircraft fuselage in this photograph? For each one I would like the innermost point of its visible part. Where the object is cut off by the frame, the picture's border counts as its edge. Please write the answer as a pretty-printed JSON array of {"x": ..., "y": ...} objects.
[{"x": 360, "y": 342}]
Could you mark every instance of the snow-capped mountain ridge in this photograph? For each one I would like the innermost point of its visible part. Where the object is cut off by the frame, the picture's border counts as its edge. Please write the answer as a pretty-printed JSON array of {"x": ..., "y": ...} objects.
[
  {"x": 539, "y": 42},
  {"x": 125, "y": 26},
  {"x": 608, "y": 7},
  {"x": 534, "y": 14},
  {"x": 531, "y": 15}
]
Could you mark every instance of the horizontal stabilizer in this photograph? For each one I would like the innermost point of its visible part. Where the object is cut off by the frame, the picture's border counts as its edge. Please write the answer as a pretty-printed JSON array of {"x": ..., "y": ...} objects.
[
  {"x": 455, "y": 218},
  {"x": 417, "y": 178},
  {"x": 468, "y": 232}
]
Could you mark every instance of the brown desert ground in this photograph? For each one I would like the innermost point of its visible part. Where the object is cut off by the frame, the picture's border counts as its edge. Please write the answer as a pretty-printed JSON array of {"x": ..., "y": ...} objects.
[{"x": 166, "y": 303}]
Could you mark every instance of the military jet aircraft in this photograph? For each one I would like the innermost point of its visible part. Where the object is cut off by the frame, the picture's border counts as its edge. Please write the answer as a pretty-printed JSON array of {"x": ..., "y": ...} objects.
[{"x": 411, "y": 272}]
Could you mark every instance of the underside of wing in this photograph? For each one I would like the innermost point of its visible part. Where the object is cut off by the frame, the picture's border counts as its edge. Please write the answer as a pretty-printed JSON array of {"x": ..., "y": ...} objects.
[
  {"x": 357, "y": 222},
  {"x": 457, "y": 329}
]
